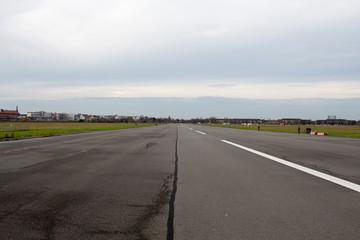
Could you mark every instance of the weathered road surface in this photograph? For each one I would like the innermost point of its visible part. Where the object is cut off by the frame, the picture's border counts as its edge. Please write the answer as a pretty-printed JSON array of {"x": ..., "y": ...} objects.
[
  {"x": 224, "y": 192},
  {"x": 178, "y": 182},
  {"x": 103, "y": 185}
]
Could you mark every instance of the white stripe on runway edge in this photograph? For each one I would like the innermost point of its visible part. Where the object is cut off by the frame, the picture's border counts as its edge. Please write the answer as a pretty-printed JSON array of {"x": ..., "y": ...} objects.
[
  {"x": 187, "y": 127},
  {"x": 327, "y": 177},
  {"x": 200, "y": 132}
]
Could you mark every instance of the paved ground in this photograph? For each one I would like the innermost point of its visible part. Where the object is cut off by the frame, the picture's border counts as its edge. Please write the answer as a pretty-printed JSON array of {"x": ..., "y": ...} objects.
[
  {"x": 227, "y": 193},
  {"x": 175, "y": 182},
  {"x": 104, "y": 185}
]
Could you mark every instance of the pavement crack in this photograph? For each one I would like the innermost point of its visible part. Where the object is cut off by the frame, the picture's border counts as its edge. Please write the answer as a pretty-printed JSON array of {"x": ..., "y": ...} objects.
[
  {"x": 170, "y": 223},
  {"x": 150, "y": 211},
  {"x": 49, "y": 213}
]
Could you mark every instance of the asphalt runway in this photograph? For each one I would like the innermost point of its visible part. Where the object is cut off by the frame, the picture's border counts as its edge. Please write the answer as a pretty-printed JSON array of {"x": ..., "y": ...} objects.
[
  {"x": 102, "y": 185},
  {"x": 227, "y": 193},
  {"x": 179, "y": 182}
]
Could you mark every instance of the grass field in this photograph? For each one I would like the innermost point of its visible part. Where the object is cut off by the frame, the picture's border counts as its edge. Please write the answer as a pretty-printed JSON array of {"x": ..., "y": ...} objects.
[
  {"x": 344, "y": 131},
  {"x": 28, "y": 129}
]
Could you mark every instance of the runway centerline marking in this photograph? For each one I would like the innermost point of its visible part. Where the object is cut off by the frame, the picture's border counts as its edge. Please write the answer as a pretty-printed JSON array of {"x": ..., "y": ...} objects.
[
  {"x": 200, "y": 132},
  {"x": 315, "y": 173}
]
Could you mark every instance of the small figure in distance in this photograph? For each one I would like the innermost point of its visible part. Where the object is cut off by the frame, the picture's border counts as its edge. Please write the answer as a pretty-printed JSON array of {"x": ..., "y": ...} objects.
[
  {"x": 258, "y": 127},
  {"x": 299, "y": 129},
  {"x": 307, "y": 130}
]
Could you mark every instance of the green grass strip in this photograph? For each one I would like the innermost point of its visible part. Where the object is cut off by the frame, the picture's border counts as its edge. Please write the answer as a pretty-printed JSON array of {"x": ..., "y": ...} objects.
[
  {"x": 343, "y": 131},
  {"x": 28, "y": 129}
]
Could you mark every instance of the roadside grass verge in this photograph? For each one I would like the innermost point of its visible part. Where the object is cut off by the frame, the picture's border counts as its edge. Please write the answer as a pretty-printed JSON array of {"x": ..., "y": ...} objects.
[
  {"x": 343, "y": 131},
  {"x": 46, "y": 129}
]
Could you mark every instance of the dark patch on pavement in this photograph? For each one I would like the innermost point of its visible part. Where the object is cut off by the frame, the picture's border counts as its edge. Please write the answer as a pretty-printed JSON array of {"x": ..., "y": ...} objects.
[
  {"x": 170, "y": 223},
  {"x": 160, "y": 200},
  {"x": 150, "y": 145},
  {"x": 113, "y": 190},
  {"x": 150, "y": 211}
]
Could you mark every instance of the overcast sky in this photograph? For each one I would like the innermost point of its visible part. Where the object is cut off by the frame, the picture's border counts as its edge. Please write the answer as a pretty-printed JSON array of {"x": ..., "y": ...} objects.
[{"x": 256, "y": 50}]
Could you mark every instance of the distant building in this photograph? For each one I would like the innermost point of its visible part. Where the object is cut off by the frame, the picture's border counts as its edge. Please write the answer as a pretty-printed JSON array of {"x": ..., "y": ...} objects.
[
  {"x": 295, "y": 121},
  {"x": 232, "y": 121},
  {"x": 39, "y": 116},
  {"x": 82, "y": 117},
  {"x": 9, "y": 115},
  {"x": 245, "y": 121},
  {"x": 136, "y": 118},
  {"x": 62, "y": 116},
  {"x": 343, "y": 122}
]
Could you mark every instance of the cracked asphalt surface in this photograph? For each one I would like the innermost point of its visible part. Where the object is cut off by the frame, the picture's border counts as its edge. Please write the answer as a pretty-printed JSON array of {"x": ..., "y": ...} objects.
[
  {"x": 104, "y": 185},
  {"x": 171, "y": 182}
]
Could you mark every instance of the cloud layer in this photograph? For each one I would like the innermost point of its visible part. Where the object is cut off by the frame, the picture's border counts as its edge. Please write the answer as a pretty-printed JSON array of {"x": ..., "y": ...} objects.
[
  {"x": 118, "y": 40},
  {"x": 245, "y": 90},
  {"x": 240, "y": 49}
]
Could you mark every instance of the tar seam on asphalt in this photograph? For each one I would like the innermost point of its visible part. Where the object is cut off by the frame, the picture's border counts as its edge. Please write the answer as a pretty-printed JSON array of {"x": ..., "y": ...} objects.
[{"x": 170, "y": 223}]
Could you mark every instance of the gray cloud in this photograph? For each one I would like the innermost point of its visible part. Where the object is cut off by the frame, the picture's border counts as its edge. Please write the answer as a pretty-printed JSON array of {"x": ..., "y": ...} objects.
[
  {"x": 87, "y": 40},
  {"x": 86, "y": 43},
  {"x": 221, "y": 85}
]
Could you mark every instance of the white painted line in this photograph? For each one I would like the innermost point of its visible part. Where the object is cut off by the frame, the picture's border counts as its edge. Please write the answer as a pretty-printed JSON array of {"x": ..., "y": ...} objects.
[
  {"x": 191, "y": 129},
  {"x": 200, "y": 132},
  {"x": 324, "y": 176}
]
